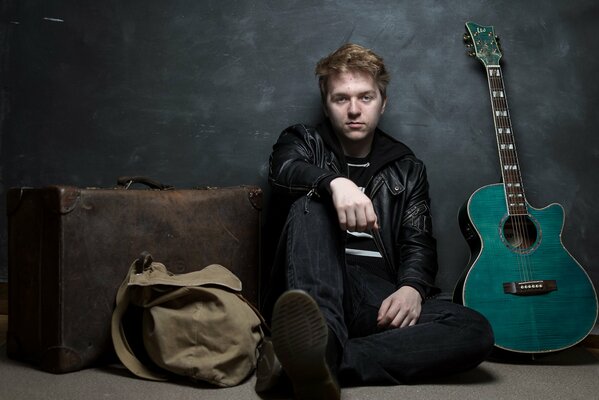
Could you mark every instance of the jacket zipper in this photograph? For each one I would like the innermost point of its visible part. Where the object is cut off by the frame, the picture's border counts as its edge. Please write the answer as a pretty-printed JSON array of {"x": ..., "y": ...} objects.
[
  {"x": 375, "y": 189},
  {"x": 376, "y": 235}
]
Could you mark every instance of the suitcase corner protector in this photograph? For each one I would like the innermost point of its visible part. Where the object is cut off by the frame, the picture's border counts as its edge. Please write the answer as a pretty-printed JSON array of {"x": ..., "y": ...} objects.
[{"x": 60, "y": 360}]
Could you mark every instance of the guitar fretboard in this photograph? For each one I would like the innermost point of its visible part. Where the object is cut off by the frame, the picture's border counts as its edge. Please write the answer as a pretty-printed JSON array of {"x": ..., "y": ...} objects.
[{"x": 510, "y": 168}]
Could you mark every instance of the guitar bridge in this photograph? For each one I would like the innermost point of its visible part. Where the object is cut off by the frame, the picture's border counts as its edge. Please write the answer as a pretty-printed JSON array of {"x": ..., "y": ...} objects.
[{"x": 529, "y": 288}]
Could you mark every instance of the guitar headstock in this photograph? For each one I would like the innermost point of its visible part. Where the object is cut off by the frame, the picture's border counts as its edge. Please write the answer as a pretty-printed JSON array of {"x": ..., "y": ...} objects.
[{"x": 482, "y": 43}]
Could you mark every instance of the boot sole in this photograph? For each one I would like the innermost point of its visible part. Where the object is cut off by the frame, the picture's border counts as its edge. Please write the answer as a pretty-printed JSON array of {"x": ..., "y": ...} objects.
[{"x": 299, "y": 336}]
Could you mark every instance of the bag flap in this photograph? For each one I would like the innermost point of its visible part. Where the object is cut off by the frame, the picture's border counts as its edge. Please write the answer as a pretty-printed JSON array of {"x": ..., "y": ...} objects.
[{"x": 213, "y": 274}]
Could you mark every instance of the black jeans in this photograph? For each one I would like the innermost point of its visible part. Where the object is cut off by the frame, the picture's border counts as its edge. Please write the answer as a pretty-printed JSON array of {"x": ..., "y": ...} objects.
[{"x": 448, "y": 338}]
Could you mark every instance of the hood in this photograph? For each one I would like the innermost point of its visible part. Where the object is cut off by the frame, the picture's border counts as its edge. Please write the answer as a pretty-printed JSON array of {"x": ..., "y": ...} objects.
[{"x": 385, "y": 149}]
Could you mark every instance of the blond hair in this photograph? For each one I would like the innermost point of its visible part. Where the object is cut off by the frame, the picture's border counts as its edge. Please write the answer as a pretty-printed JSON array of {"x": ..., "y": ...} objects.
[{"x": 352, "y": 57}]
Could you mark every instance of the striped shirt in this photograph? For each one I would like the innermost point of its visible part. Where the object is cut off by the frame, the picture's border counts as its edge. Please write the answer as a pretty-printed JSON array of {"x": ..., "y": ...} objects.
[{"x": 360, "y": 246}]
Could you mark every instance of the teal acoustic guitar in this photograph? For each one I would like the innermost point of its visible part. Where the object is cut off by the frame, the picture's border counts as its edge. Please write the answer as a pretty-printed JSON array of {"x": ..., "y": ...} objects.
[{"x": 534, "y": 293}]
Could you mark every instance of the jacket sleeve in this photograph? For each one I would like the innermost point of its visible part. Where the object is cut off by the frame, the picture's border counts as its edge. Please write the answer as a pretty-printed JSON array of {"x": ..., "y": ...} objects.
[
  {"x": 416, "y": 244},
  {"x": 294, "y": 162}
]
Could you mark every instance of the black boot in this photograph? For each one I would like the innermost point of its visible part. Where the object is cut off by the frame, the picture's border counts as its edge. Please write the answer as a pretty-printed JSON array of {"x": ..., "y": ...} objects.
[{"x": 301, "y": 340}]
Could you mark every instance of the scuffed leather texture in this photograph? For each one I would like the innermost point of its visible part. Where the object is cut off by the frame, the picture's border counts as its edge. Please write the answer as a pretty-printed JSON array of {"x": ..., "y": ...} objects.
[{"x": 69, "y": 248}]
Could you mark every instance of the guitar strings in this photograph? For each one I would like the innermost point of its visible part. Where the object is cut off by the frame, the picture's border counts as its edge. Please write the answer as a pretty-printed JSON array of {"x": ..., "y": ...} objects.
[
  {"x": 513, "y": 188},
  {"x": 512, "y": 177},
  {"x": 515, "y": 176},
  {"x": 510, "y": 166}
]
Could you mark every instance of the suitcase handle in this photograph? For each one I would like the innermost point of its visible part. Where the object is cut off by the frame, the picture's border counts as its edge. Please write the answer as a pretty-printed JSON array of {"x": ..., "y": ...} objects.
[{"x": 127, "y": 181}]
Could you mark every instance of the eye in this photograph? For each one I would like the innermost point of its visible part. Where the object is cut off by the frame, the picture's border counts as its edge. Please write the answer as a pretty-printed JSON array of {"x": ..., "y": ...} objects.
[{"x": 367, "y": 98}]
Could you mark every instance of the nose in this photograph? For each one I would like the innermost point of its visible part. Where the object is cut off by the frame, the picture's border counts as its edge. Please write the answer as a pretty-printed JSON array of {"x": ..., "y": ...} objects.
[{"x": 354, "y": 107}]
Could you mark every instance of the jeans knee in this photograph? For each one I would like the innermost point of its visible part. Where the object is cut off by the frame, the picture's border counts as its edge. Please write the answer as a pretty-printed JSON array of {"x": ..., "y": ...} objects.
[
  {"x": 313, "y": 213},
  {"x": 481, "y": 331}
]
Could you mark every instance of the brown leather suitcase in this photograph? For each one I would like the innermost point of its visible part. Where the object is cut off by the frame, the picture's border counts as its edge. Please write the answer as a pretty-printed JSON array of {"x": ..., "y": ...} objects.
[{"x": 70, "y": 248}]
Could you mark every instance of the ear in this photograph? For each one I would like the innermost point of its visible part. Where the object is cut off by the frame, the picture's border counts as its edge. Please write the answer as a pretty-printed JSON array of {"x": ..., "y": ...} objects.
[
  {"x": 384, "y": 105},
  {"x": 325, "y": 110}
]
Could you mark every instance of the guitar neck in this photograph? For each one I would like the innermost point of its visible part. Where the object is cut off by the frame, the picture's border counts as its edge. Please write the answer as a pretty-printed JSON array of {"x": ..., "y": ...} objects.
[{"x": 510, "y": 168}]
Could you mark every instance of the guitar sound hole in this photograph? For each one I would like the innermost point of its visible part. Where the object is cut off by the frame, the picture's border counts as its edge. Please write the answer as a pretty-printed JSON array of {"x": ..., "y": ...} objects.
[{"x": 520, "y": 232}]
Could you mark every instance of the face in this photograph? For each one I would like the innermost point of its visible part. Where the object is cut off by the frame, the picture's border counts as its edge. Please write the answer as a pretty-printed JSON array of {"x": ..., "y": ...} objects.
[{"x": 354, "y": 106}]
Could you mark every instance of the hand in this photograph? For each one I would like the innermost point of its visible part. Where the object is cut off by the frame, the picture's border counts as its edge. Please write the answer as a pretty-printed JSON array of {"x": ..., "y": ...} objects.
[
  {"x": 401, "y": 309},
  {"x": 354, "y": 208}
]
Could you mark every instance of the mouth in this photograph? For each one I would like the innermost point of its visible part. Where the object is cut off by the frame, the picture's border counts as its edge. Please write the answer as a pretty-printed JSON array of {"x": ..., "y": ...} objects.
[{"x": 354, "y": 124}]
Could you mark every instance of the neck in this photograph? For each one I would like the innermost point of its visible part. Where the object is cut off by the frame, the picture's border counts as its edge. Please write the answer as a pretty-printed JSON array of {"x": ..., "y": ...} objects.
[
  {"x": 359, "y": 149},
  {"x": 510, "y": 168}
]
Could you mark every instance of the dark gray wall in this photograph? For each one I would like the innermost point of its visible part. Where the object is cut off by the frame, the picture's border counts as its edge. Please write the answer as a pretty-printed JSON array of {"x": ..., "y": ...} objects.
[{"x": 195, "y": 93}]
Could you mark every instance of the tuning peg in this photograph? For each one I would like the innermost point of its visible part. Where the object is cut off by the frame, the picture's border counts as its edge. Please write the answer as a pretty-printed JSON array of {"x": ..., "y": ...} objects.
[
  {"x": 497, "y": 40},
  {"x": 470, "y": 53},
  {"x": 467, "y": 37}
]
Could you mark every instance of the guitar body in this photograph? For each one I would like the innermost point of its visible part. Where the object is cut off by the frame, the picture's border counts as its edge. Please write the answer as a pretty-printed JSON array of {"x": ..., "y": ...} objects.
[{"x": 531, "y": 320}]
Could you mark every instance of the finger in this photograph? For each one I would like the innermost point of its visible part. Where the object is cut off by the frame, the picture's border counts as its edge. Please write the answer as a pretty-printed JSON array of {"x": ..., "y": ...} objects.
[
  {"x": 342, "y": 219},
  {"x": 371, "y": 219},
  {"x": 383, "y": 310},
  {"x": 361, "y": 220},
  {"x": 411, "y": 319},
  {"x": 408, "y": 319},
  {"x": 350, "y": 223},
  {"x": 393, "y": 312},
  {"x": 400, "y": 320}
]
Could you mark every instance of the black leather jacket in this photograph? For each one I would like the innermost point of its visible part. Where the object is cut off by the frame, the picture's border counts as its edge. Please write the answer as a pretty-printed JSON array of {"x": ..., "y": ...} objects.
[{"x": 305, "y": 160}]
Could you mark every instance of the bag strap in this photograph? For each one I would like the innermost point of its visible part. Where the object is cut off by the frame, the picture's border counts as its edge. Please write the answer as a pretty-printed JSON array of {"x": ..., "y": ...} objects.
[
  {"x": 119, "y": 340},
  {"x": 263, "y": 323}
]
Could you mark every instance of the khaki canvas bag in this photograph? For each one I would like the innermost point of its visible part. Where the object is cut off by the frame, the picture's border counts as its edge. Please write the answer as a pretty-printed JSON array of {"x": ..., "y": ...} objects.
[{"x": 195, "y": 324}]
